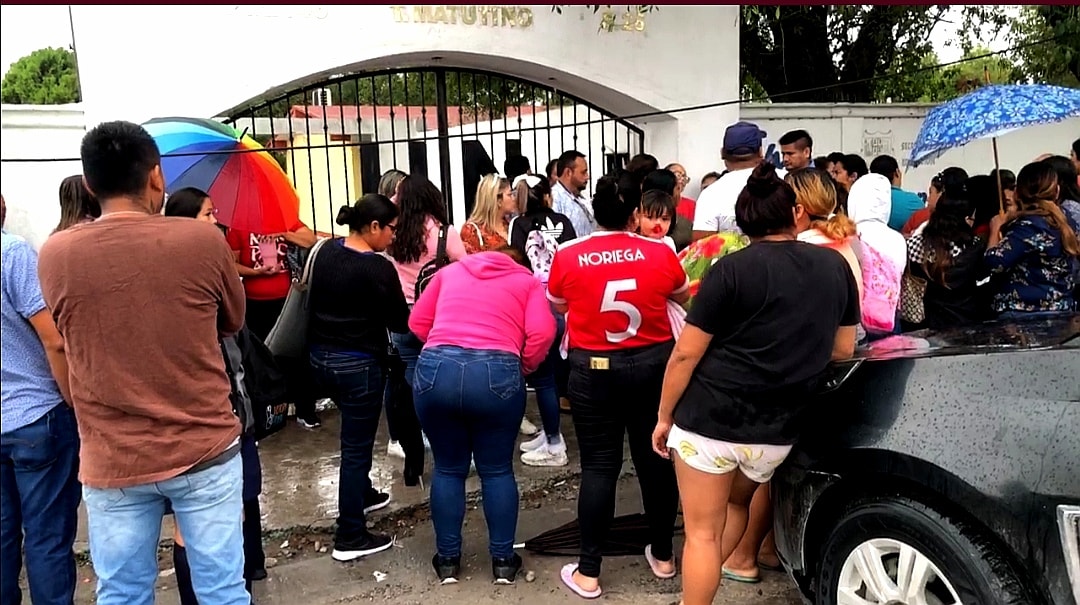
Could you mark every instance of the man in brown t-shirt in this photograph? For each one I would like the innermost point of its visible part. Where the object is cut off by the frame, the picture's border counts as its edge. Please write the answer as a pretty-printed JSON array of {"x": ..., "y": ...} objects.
[{"x": 141, "y": 300}]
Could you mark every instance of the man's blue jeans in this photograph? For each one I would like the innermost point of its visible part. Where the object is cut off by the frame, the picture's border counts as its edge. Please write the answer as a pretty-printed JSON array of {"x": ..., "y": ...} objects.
[
  {"x": 125, "y": 525},
  {"x": 355, "y": 383},
  {"x": 39, "y": 493},
  {"x": 470, "y": 405}
]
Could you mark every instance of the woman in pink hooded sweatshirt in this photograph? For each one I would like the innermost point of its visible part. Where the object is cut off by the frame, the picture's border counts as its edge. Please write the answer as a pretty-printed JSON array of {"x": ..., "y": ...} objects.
[{"x": 485, "y": 323}]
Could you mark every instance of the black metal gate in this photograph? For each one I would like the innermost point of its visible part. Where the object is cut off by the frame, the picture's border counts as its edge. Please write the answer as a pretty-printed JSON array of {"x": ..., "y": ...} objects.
[{"x": 335, "y": 138}]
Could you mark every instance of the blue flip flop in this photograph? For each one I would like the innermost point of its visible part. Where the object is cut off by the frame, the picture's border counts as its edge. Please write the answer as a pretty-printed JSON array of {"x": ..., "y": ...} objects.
[{"x": 734, "y": 577}]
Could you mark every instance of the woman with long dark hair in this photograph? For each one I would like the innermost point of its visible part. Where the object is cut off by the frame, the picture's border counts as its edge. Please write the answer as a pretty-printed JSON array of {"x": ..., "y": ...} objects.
[
  {"x": 1068, "y": 188},
  {"x": 77, "y": 204},
  {"x": 950, "y": 176},
  {"x": 355, "y": 298},
  {"x": 416, "y": 242},
  {"x": 1034, "y": 249},
  {"x": 762, "y": 329},
  {"x": 948, "y": 257}
]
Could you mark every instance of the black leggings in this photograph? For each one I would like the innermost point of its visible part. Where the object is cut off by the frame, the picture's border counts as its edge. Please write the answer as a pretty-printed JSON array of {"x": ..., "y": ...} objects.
[{"x": 606, "y": 404}]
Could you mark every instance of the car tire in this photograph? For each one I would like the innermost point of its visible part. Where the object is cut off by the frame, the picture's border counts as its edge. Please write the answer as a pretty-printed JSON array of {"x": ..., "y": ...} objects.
[{"x": 971, "y": 565}]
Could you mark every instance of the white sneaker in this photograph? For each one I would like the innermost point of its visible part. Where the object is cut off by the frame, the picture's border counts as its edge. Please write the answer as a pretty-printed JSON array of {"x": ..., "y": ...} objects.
[
  {"x": 534, "y": 443},
  {"x": 395, "y": 450},
  {"x": 547, "y": 454},
  {"x": 528, "y": 428}
]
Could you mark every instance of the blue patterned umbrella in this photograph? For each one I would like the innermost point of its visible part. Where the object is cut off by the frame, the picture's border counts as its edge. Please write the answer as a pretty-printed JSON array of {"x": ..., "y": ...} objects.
[{"x": 991, "y": 111}]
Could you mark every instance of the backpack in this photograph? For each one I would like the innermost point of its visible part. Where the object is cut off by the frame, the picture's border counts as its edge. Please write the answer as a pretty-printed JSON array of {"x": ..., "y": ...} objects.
[
  {"x": 881, "y": 290},
  {"x": 266, "y": 385},
  {"x": 430, "y": 268},
  {"x": 238, "y": 396},
  {"x": 541, "y": 243}
]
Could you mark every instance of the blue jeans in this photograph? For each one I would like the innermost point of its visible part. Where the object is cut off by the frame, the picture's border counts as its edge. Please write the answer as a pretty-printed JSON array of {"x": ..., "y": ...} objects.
[
  {"x": 470, "y": 404},
  {"x": 355, "y": 382},
  {"x": 39, "y": 492},
  {"x": 543, "y": 380},
  {"x": 125, "y": 524}
]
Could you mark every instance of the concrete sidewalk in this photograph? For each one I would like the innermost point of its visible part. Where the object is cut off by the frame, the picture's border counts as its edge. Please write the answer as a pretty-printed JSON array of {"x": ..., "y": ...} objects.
[{"x": 299, "y": 505}]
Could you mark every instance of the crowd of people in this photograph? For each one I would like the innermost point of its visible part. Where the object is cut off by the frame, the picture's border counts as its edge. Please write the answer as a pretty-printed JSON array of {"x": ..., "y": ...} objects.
[{"x": 122, "y": 368}]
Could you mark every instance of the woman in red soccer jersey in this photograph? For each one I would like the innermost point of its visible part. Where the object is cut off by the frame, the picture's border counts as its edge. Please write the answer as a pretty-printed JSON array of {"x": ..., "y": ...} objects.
[{"x": 614, "y": 286}]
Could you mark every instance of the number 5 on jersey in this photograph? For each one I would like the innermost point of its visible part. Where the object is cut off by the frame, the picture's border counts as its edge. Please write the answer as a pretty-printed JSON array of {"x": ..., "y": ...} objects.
[{"x": 610, "y": 304}]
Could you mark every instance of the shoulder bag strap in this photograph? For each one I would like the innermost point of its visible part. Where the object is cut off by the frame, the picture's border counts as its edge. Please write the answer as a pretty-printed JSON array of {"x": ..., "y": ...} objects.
[
  {"x": 441, "y": 259},
  {"x": 305, "y": 278},
  {"x": 479, "y": 236}
]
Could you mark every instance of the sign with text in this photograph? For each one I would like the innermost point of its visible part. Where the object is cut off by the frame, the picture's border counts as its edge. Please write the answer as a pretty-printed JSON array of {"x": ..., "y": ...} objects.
[{"x": 491, "y": 16}]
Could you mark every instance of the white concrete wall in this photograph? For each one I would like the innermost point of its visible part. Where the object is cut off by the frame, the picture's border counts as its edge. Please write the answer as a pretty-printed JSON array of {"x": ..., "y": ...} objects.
[
  {"x": 872, "y": 130},
  {"x": 31, "y": 189},
  {"x": 207, "y": 60}
]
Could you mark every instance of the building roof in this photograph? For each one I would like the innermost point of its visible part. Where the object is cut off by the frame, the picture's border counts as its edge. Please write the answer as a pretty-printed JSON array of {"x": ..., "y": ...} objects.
[{"x": 456, "y": 115}]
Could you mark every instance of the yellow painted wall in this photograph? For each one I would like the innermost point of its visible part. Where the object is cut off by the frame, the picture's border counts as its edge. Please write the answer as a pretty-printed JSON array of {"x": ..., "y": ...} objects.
[{"x": 314, "y": 169}]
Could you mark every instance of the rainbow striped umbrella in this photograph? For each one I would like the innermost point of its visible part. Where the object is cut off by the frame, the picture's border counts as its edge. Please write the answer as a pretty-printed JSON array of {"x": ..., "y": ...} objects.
[{"x": 249, "y": 188}]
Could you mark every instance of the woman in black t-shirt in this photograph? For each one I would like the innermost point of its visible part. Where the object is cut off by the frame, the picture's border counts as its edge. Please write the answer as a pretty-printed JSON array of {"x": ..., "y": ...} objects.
[{"x": 764, "y": 325}]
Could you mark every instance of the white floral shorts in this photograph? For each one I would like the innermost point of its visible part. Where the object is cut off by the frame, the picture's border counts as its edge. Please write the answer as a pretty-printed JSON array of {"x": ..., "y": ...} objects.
[{"x": 757, "y": 462}]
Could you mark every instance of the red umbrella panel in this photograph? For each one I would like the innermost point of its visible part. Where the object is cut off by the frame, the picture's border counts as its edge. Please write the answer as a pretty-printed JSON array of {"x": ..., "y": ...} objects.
[{"x": 248, "y": 187}]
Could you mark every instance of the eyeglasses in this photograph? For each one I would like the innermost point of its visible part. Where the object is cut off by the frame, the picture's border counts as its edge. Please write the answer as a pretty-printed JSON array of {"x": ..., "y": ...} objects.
[{"x": 392, "y": 228}]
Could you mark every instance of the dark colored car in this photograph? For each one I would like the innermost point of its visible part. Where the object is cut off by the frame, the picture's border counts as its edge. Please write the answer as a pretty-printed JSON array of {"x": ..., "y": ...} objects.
[{"x": 941, "y": 468}]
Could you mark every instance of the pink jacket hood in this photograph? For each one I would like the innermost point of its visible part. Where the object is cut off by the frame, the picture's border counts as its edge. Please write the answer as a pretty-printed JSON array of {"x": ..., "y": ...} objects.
[
  {"x": 491, "y": 265},
  {"x": 486, "y": 301}
]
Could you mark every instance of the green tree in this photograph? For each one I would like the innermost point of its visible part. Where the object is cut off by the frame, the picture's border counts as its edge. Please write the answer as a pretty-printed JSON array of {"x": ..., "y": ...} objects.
[
  {"x": 928, "y": 84},
  {"x": 804, "y": 53},
  {"x": 47, "y": 76},
  {"x": 1056, "y": 61}
]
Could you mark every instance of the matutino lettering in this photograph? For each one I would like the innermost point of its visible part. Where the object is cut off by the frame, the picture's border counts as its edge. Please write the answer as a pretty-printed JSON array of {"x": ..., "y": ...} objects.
[
  {"x": 492, "y": 16},
  {"x": 610, "y": 257}
]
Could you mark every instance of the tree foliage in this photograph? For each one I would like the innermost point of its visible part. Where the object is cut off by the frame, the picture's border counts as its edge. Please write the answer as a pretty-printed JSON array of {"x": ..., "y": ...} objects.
[
  {"x": 840, "y": 53},
  {"x": 476, "y": 95},
  {"x": 1056, "y": 62},
  {"x": 933, "y": 84},
  {"x": 864, "y": 53},
  {"x": 47, "y": 76}
]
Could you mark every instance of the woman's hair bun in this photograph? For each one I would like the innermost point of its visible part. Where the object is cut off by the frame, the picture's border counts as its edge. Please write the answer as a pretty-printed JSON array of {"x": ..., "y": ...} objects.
[
  {"x": 763, "y": 180},
  {"x": 345, "y": 215}
]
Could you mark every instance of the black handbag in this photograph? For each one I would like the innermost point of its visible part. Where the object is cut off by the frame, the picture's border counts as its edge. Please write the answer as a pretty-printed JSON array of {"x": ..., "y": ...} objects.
[{"x": 266, "y": 385}]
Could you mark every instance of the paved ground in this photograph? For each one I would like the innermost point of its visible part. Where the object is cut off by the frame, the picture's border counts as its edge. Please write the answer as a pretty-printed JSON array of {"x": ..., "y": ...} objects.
[{"x": 299, "y": 506}]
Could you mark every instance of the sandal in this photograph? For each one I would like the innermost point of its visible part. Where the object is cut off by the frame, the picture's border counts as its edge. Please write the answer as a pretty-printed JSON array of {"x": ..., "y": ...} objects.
[
  {"x": 654, "y": 564},
  {"x": 567, "y": 575},
  {"x": 734, "y": 577}
]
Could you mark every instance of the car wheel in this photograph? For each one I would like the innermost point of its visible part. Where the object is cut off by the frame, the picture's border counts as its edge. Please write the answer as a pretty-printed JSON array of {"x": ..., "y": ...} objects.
[{"x": 898, "y": 551}]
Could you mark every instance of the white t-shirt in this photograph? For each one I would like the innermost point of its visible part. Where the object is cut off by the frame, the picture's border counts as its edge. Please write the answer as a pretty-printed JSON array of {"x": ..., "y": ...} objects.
[{"x": 715, "y": 209}]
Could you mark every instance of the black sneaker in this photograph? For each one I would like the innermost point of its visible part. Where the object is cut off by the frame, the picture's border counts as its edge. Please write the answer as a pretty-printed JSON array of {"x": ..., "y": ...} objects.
[
  {"x": 375, "y": 500},
  {"x": 446, "y": 568},
  {"x": 506, "y": 570},
  {"x": 368, "y": 545},
  {"x": 309, "y": 421}
]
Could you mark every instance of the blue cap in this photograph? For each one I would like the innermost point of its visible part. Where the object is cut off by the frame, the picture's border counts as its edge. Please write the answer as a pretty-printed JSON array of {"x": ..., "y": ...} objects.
[{"x": 743, "y": 138}]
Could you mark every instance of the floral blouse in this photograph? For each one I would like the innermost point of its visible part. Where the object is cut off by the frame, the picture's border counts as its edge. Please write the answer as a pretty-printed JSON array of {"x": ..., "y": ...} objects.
[
  {"x": 1036, "y": 272},
  {"x": 480, "y": 239}
]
